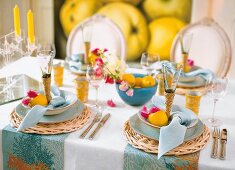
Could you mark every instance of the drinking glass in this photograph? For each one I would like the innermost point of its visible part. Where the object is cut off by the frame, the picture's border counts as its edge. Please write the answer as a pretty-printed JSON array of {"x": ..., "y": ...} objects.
[
  {"x": 216, "y": 89},
  {"x": 171, "y": 72},
  {"x": 95, "y": 76},
  {"x": 149, "y": 62},
  {"x": 185, "y": 43},
  {"x": 45, "y": 56},
  {"x": 87, "y": 35}
]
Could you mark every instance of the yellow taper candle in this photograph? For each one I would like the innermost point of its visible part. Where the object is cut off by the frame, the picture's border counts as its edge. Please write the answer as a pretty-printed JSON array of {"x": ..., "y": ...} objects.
[
  {"x": 30, "y": 26},
  {"x": 17, "y": 20}
]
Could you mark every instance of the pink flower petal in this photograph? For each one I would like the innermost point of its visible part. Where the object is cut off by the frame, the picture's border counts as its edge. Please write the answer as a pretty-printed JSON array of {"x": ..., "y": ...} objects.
[
  {"x": 144, "y": 114},
  {"x": 111, "y": 103},
  {"x": 130, "y": 92},
  {"x": 190, "y": 62},
  {"x": 99, "y": 62},
  {"x": 26, "y": 101},
  {"x": 123, "y": 86},
  {"x": 109, "y": 80},
  {"x": 32, "y": 94},
  {"x": 154, "y": 109}
]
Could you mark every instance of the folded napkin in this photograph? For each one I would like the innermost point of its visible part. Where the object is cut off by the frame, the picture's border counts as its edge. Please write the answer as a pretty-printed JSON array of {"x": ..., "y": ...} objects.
[
  {"x": 75, "y": 62},
  {"x": 36, "y": 113},
  {"x": 172, "y": 135},
  {"x": 204, "y": 73}
]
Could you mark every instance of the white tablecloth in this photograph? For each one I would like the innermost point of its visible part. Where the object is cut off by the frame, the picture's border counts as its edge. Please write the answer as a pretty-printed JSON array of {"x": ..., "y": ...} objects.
[{"x": 106, "y": 151}]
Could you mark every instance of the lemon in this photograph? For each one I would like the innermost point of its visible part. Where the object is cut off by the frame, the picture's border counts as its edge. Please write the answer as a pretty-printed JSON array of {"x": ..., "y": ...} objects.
[
  {"x": 148, "y": 81},
  {"x": 138, "y": 82},
  {"x": 163, "y": 32},
  {"x": 39, "y": 100},
  {"x": 158, "y": 118},
  {"x": 129, "y": 78}
]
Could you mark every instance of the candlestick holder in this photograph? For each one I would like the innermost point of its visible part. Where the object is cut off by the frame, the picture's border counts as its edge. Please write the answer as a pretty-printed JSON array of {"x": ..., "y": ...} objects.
[{"x": 171, "y": 73}]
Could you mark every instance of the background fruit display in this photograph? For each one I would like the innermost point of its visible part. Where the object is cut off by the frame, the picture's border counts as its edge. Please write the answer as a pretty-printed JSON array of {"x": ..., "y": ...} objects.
[{"x": 147, "y": 25}]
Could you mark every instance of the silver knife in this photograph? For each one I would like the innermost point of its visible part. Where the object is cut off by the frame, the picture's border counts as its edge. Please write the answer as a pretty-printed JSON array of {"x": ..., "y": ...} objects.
[
  {"x": 101, "y": 124},
  {"x": 223, "y": 141}
]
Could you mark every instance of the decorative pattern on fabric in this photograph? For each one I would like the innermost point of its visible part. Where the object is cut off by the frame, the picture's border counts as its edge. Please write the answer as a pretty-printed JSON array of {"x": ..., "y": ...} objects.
[
  {"x": 30, "y": 151},
  {"x": 140, "y": 160}
]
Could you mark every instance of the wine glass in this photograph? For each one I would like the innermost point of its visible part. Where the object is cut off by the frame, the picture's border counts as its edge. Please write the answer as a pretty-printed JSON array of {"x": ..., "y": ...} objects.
[
  {"x": 95, "y": 76},
  {"x": 87, "y": 35},
  {"x": 216, "y": 89},
  {"x": 45, "y": 55},
  {"x": 149, "y": 62}
]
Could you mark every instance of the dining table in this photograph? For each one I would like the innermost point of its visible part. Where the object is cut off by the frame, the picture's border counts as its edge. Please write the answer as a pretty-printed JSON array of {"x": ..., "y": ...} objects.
[{"x": 109, "y": 149}]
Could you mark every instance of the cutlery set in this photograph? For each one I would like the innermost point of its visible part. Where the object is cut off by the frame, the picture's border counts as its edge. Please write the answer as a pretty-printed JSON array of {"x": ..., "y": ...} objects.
[
  {"x": 96, "y": 119},
  {"x": 216, "y": 135}
]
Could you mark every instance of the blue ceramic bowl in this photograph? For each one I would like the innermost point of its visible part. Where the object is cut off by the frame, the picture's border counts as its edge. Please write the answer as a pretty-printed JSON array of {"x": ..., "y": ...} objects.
[{"x": 140, "y": 96}]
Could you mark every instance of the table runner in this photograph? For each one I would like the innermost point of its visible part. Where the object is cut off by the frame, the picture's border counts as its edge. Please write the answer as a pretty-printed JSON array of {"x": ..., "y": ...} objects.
[
  {"x": 32, "y": 151},
  {"x": 140, "y": 160}
]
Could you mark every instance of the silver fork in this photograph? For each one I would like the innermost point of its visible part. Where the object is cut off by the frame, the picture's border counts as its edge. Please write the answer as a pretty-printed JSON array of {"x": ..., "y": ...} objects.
[
  {"x": 216, "y": 136},
  {"x": 95, "y": 120}
]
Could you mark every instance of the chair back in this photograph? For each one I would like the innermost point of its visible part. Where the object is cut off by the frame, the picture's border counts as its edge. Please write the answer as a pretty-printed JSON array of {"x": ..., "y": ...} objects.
[{"x": 210, "y": 47}]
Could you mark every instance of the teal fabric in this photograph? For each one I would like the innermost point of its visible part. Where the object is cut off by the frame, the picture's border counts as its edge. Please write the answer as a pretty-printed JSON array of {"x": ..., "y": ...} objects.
[
  {"x": 31, "y": 151},
  {"x": 135, "y": 159}
]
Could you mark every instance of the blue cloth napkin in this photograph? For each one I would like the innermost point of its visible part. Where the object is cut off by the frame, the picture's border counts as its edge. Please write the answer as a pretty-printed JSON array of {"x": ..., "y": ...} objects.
[
  {"x": 36, "y": 113},
  {"x": 204, "y": 73},
  {"x": 172, "y": 135}
]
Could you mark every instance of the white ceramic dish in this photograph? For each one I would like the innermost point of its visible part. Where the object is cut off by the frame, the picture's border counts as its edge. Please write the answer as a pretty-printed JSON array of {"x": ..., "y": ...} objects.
[
  {"x": 70, "y": 99},
  {"x": 68, "y": 114}
]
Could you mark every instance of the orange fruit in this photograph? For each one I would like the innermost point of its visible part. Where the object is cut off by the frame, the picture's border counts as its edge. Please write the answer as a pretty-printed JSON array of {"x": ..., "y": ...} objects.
[
  {"x": 129, "y": 78},
  {"x": 148, "y": 81},
  {"x": 138, "y": 82},
  {"x": 158, "y": 118},
  {"x": 39, "y": 100}
]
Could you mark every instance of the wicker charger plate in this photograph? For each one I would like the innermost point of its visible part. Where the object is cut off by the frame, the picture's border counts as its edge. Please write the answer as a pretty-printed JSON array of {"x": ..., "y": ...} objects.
[
  {"x": 151, "y": 146},
  {"x": 53, "y": 128}
]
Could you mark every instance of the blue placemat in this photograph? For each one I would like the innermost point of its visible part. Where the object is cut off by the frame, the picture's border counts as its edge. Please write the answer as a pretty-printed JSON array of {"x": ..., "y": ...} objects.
[
  {"x": 32, "y": 151},
  {"x": 140, "y": 160}
]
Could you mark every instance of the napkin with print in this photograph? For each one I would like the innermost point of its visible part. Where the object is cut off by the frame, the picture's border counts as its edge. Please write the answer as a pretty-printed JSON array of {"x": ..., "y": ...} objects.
[
  {"x": 36, "y": 113},
  {"x": 172, "y": 135}
]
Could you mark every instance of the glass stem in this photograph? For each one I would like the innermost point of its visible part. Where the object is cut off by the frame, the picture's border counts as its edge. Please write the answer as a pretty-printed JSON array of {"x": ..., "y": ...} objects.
[
  {"x": 96, "y": 97},
  {"x": 213, "y": 112}
]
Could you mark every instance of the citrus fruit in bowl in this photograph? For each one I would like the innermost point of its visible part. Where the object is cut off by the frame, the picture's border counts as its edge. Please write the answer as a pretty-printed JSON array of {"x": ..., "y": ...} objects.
[{"x": 143, "y": 89}]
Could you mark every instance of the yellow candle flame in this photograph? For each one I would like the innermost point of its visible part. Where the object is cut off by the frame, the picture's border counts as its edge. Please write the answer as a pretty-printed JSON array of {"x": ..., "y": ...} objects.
[
  {"x": 17, "y": 20},
  {"x": 30, "y": 27}
]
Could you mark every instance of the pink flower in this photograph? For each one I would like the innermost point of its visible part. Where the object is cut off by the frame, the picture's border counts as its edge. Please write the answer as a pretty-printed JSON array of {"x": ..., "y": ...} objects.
[
  {"x": 98, "y": 72},
  {"x": 190, "y": 62},
  {"x": 144, "y": 112},
  {"x": 130, "y": 92},
  {"x": 99, "y": 62},
  {"x": 32, "y": 94},
  {"x": 154, "y": 109},
  {"x": 95, "y": 51},
  {"x": 123, "y": 86},
  {"x": 109, "y": 80},
  {"x": 105, "y": 50},
  {"x": 26, "y": 101},
  {"x": 111, "y": 103}
]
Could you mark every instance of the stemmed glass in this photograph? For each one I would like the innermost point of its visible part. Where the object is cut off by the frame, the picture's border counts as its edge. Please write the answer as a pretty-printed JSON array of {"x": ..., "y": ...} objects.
[
  {"x": 87, "y": 35},
  {"x": 45, "y": 55},
  {"x": 185, "y": 43},
  {"x": 148, "y": 62},
  {"x": 95, "y": 76},
  {"x": 216, "y": 89}
]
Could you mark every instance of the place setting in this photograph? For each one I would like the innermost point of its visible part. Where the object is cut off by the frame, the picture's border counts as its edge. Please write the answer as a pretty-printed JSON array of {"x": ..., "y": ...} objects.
[
  {"x": 163, "y": 128},
  {"x": 50, "y": 111}
]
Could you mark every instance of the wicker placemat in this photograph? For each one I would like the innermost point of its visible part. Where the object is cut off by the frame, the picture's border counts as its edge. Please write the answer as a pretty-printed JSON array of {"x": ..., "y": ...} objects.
[
  {"x": 182, "y": 91},
  {"x": 151, "y": 146},
  {"x": 53, "y": 128}
]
